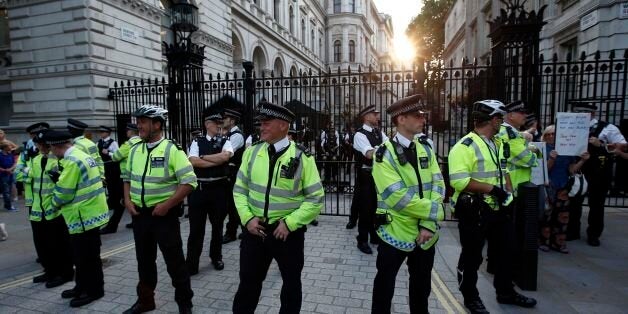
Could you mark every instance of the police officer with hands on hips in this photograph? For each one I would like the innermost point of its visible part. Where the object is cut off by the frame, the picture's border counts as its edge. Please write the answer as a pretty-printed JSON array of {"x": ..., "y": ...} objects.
[
  {"x": 107, "y": 148},
  {"x": 159, "y": 178},
  {"x": 77, "y": 129},
  {"x": 604, "y": 138},
  {"x": 365, "y": 141},
  {"x": 80, "y": 197},
  {"x": 50, "y": 233},
  {"x": 277, "y": 193},
  {"x": 235, "y": 136},
  {"x": 410, "y": 192},
  {"x": 209, "y": 155},
  {"x": 478, "y": 172}
]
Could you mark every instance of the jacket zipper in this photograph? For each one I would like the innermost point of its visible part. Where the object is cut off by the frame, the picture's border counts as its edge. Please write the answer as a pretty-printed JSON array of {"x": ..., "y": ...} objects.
[
  {"x": 277, "y": 172},
  {"x": 143, "y": 179},
  {"x": 271, "y": 167}
]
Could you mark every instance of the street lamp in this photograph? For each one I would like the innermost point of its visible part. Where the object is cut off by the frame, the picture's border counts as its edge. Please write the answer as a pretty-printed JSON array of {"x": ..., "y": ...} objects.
[{"x": 184, "y": 17}]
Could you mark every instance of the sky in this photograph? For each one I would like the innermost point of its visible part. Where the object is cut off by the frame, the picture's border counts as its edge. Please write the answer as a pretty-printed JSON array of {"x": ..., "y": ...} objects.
[{"x": 402, "y": 12}]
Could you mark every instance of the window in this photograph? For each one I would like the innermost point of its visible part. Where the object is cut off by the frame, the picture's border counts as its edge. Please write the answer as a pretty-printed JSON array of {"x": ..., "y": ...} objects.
[
  {"x": 276, "y": 10},
  {"x": 352, "y": 5},
  {"x": 351, "y": 51},
  {"x": 337, "y": 51},
  {"x": 303, "y": 31},
  {"x": 166, "y": 33},
  {"x": 312, "y": 38},
  {"x": 320, "y": 45},
  {"x": 337, "y": 6},
  {"x": 4, "y": 28},
  {"x": 291, "y": 20}
]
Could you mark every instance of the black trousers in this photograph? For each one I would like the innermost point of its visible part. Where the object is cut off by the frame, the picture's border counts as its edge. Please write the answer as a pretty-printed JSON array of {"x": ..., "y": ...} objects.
[
  {"x": 150, "y": 231},
  {"x": 496, "y": 227},
  {"x": 368, "y": 206},
  {"x": 208, "y": 200},
  {"x": 52, "y": 243},
  {"x": 256, "y": 254},
  {"x": 115, "y": 191},
  {"x": 89, "y": 275},
  {"x": 232, "y": 212},
  {"x": 389, "y": 260},
  {"x": 599, "y": 184},
  {"x": 575, "y": 214}
]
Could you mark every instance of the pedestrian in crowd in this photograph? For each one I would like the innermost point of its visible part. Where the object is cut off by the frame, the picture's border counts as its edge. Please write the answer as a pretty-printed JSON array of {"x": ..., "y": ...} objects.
[
  {"x": 80, "y": 197},
  {"x": 209, "y": 155},
  {"x": 277, "y": 193},
  {"x": 365, "y": 142},
  {"x": 255, "y": 137},
  {"x": 554, "y": 223},
  {"x": 531, "y": 126},
  {"x": 410, "y": 192},
  {"x": 106, "y": 149},
  {"x": 7, "y": 179},
  {"x": 4, "y": 138},
  {"x": 159, "y": 177},
  {"x": 479, "y": 175},
  {"x": 85, "y": 144},
  {"x": 347, "y": 149},
  {"x": 120, "y": 156},
  {"x": 50, "y": 233},
  {"x": 236, "y": 138},
  {"x": 330, "y": 145},
  {"x": 598, "y": 170}
]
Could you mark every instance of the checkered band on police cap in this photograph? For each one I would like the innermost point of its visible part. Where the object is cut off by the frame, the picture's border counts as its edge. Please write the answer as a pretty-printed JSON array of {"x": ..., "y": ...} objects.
[
  {"x": 583, "y": 107},
  {"x": 405, "y": 105},
  {"x": 367, "y": 110},
  {"x": 269, "y": 111}
]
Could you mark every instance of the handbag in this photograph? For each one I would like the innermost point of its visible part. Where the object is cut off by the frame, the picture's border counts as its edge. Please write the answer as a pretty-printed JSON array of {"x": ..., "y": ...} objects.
[{"x": 577, "y": 185}]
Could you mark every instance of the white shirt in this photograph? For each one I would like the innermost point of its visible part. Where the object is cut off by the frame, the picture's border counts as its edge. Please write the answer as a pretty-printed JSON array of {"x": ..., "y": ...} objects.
[
  {"x": 402, "y": 140},
  {"x": 281, "y": 144},
  {"x": 226, "y": 147},
  {"x": 237, "y": 140},
  {"x": 324, "y": 138},
  {"x": 609, "y": 134},
  {"x": 361, "y": 143},
  {"x": 113, "y": 147},
  {"x": 68, "y": 151}
]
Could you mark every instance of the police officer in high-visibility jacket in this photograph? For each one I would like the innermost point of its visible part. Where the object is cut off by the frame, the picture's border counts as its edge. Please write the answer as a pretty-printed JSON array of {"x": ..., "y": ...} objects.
[
  {"x": 121, "y": 156},
  {"x": 277, "y": 193},
  {"x": 479, "y": 175},
  {"x": 50, "y": 234},
  {"x": 159, "y": 178},
  {"x": 21, "y": 169},
  {"x": 77, "y": 129},
  {"x": 522, "y": 155},
  {"x": 80, "y": 196},
  {"x": 410, "y": 192}
]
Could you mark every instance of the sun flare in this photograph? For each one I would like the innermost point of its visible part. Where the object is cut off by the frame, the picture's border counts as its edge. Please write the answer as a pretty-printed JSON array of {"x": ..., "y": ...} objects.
[{"x": 404, "y": 49}]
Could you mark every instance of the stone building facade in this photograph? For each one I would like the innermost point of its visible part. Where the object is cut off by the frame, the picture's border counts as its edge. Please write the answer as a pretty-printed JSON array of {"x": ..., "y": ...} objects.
[{"x": 58, "y": 58}]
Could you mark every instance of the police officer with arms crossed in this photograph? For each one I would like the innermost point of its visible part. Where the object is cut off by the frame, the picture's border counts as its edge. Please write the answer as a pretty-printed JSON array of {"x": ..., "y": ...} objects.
[
  {"x": 80, "y": 196},
  {"x": 50, "y": 233},
  {"x": 410, "y": 192},
  {"x": 106, "y": 148},
  {"x": 479, "y": 175},
  {"x": 230, "y": 121},
  {"x": 209, "y": 156},
  {"x": 159, "y": 178},
  {"x": 120, "y": 156},
  {"x": 77, "y": 129},
  {"x": 277, "y": 193},
  {"x": 366, "y": 139},
  {"x": 598, "y": 170}
]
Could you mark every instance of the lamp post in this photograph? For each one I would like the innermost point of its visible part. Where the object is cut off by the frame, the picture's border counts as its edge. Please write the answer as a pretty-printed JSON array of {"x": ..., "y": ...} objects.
[{"x": 185, "y": 72}]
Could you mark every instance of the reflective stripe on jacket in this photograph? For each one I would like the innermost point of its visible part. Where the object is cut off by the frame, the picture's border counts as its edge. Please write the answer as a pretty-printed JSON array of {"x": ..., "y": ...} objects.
[
  {"x": 87, "y": 146},
  {"x": 521, "y": 159},
  {"x": 42, "y": 187},
  {"x": 122, "y": 154}
]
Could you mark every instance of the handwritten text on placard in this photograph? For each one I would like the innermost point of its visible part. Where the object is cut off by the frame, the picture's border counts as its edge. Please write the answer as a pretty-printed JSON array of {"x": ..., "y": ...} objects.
[{"x": 572, "y": 133}]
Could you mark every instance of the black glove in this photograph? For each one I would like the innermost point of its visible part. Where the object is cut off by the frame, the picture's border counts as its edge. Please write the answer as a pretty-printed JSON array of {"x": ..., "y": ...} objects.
[
  {"x": 499, "y": 193},
  {"x": 54, "y": 175}
]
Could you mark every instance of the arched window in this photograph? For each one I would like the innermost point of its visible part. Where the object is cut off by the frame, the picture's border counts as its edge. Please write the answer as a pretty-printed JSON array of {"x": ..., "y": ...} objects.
[
  {"x": 337, "y": 6},
  {"x": 292, "y": 20},
  {"x": 337, "y": 51},
  {"x": 303, "y": 32},
  {"x": 276, "y": 10},
  {"x": 351, "y": 51}
]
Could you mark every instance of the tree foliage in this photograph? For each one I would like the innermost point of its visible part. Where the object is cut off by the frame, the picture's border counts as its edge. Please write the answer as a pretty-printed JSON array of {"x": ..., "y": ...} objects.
[{"x": 427, "y": 29}]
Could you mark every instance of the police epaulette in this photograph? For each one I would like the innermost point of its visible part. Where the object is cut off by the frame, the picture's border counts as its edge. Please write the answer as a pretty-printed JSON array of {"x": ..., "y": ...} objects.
[
  {"x": 379, "y": 153},
  {"x": 511, "y": 133},
  {"x": 304, "y": 150},
  {"x": 467, "y": 141},
  {"x": 176, "y": 144}
]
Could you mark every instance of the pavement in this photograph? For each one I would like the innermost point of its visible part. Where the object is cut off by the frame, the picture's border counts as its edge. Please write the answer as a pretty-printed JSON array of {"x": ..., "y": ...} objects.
[{"x": 336, "y": 278}]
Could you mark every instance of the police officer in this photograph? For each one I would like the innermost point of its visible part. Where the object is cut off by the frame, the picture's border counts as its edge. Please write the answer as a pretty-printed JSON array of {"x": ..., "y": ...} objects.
[
  {"x": 50, "y": 234},
  {"x": 209, "y": 155},
  {"x": 24, "y": 161},
  {"x": 106, "y": 149},
  {"x": 77, "y": 129},
  {"x": 410, "y": 192},
  {"x": 479, "y": 175},
  {"x": 120, "y": 156},
  {"x": 330, "y": 144},
  {"x": 277, "y": 193},
  {"x": 234, "y": 134},
  {"x": 255, "y": 137},
  {"x": 365, "y": 141},
  {"x": 598, "y": 170},
  {"x": 159, "y": 178},
  {"x": 80, "y": 197}
]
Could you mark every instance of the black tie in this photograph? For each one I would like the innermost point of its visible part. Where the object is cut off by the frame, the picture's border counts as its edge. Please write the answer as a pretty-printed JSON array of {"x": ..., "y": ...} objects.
[
  {"x": 410, "y": 153},
  {"x": 271, "y": 150},
  {"x": 377, "y": 133}
]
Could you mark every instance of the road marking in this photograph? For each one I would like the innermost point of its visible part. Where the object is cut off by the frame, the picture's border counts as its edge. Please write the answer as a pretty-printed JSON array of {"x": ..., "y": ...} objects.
[
  {"x": 452, "y": 299},
  {"x": 29, "y": 276},
  {"x": 443, "y": 300}
]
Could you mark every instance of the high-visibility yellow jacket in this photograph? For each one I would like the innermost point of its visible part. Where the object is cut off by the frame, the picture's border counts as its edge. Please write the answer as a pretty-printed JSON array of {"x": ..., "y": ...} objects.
[
  {"x": 297, "y": 200},
  {"x": 42, "y": 187},
  {"x": 471, "y": 158},
  {"x": 154, "y": 174},
  {"x": 521, "y": 159},
  {"x": 87, "y": 146},
  {"x": 398, "y": 195},
  {"x": 22, "y": 170},
  {"x": 122, "y": 154},
  {"x": 79, "y": 193}
]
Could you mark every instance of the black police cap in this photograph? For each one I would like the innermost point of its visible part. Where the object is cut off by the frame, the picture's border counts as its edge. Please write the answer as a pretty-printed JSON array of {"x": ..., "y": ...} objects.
[
  {"x": 76, "y": 124},
  {"x": 268, "y": 111},
  {"x": 39, "y": 126},
  {"x": 57, "y": 137}
]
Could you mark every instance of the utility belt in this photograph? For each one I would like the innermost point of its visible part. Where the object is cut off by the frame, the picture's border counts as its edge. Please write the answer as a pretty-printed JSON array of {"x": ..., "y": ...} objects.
[
  {"x": 176, "y": 211},
  {"x": 472, "y": 207},
  {"x": 210, "y": 180}
]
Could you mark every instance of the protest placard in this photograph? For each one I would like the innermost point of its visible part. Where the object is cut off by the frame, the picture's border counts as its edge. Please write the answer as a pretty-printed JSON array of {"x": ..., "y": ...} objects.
[{"x": 572, "y": 133}]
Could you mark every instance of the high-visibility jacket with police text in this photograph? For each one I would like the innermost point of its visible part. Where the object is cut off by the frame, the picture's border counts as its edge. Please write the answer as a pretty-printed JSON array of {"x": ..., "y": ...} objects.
[
  {"x": 87, "y": 146},
  {"x": 295, "y": 197},
  {"x": 398, "y": 195}
]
